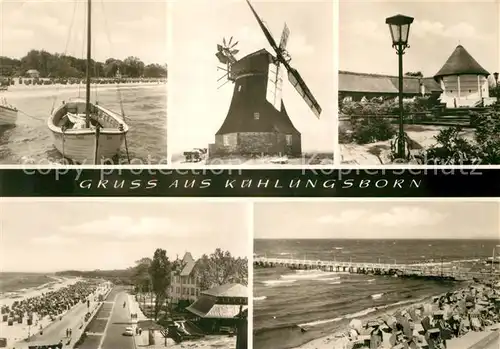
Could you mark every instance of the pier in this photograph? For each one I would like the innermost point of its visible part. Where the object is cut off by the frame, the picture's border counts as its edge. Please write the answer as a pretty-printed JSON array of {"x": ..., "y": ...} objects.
[{"x": 443, "y": 271}]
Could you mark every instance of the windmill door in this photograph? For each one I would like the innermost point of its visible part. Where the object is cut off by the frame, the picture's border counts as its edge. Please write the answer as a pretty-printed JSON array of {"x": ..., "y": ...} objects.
[{"x": 288, "y": 144}]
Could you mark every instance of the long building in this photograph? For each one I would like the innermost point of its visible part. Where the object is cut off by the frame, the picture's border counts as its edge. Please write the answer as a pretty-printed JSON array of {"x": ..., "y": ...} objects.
[
  {"x": 356, "y": 86},
  {"x": 461, "y": 82}
]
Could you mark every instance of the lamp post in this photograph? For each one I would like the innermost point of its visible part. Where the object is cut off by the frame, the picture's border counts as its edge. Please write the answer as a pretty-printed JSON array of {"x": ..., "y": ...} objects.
[
  {"x": 399, "y": 27},
  {"x": 495, "y": 75}
]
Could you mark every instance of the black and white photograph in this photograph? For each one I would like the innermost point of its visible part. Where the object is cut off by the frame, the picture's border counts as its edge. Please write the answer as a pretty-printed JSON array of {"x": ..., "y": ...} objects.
[
  {"x": 125, "y": 274},
  {"x": 348, "y": 274},
  {"x": 252, "y": 83},
  {"x": 83, "y": 82},
  {"x": 418, "y": 82}
]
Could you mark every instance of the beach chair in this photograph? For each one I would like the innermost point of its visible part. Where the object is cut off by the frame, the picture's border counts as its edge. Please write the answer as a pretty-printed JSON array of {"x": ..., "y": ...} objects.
[
  {"x": 362, "y": 341},
  {"x": 475, "y": 323}
]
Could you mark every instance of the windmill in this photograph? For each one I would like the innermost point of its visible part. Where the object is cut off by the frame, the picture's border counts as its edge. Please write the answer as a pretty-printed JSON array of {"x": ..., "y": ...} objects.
[{"x": 257, "y": 121}]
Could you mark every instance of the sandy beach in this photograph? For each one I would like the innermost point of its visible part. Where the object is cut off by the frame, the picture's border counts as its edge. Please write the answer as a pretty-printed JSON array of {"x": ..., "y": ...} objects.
[
  {"x": 8, "y": 298},
  {"x": 22, "y": 91},
  {"x": 349, "y": 338}
]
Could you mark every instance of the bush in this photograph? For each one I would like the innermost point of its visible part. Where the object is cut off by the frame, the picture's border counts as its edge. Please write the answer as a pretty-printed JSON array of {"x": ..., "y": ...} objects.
[
  {"x": 453, "y": 148},
  {"x": 345, "y": 136},
  {"x": 371, "y": 130},
  {"x": 379, "y": 106}
]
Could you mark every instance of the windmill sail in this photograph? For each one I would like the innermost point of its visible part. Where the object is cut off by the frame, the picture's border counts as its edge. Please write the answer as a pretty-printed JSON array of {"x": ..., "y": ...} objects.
[
  {"x": 274, "y": 91},
  {"x": 262, "y": 26},
  {"x": 293, "y": 75},
  {"x": 284, "y": 37},
  {"x": 301, "y": 87}
]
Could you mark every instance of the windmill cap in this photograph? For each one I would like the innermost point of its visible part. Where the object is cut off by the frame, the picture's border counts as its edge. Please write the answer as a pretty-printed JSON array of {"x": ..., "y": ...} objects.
[{"x": 461, "y": 62}]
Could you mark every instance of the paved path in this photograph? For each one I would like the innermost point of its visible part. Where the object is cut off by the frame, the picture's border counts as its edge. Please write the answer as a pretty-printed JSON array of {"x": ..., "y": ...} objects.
[{"x": 120, "y": 319}]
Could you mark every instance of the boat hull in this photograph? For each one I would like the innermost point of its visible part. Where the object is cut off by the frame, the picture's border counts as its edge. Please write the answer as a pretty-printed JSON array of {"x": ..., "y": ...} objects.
[
  {"x": 8, "y": 116},
  {"x": 80, "y": 147}
]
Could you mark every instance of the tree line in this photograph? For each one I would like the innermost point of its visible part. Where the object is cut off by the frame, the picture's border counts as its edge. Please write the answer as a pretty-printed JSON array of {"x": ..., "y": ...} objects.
[{"x": 63, "y": 66}]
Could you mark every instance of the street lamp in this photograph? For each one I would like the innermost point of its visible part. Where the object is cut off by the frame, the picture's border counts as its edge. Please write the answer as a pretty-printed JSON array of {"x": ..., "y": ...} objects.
[
  {"x": 399, "y": 27},
  {"x": 495, "y": 75}
]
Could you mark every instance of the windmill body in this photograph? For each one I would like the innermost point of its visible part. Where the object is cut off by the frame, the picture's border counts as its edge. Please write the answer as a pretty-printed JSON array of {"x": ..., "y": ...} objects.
[
  {"x": 253, "y": 125},
  {"x": 257, "y": 122}
]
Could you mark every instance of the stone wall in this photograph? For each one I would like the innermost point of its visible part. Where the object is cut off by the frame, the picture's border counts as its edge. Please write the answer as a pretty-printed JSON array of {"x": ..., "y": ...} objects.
[{"x": 255, "y": 143}]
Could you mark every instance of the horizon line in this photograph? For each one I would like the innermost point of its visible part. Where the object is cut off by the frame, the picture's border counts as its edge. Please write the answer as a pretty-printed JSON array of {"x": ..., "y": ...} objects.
[{"x": 360, "y": 238}]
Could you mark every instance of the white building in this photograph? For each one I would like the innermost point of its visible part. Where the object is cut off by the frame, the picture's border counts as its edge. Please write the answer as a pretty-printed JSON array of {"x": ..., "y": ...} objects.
[
  {"x": 184, "y": 283},
  {"x": 463, "y": 81}
]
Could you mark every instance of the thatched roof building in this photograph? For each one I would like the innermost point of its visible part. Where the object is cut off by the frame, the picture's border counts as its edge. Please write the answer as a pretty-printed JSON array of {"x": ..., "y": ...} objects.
[
  {"x": 221, "y": 302},
  {"x": 463, "y": 80}
]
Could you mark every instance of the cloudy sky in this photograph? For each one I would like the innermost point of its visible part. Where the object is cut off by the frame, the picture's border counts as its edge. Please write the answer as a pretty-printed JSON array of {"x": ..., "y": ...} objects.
[
  {"x": 378, "y": 220},
  {"x": 197, "y": 108},
  {"x": 46, "y": 236},
  {"x": 120, "y": 28},
  {"x": 439, "y": 26}
]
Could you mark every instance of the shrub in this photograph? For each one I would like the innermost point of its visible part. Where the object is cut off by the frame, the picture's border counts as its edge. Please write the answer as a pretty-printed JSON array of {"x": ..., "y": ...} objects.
[
  {"x": 345, "y": 135},
  {"x": 379, "y": 106},
  {"x": 453, "y": 148},
  {"x": 369, "y": 130}
]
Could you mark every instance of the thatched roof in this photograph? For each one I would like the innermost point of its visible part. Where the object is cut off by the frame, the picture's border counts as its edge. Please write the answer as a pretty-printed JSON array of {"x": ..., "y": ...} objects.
[
  {"x": 459, "y": 63},
  {"x": 383, "y": 84},
  {"x": 228, "y": 290},
  {"x": 207, "y": 307}
]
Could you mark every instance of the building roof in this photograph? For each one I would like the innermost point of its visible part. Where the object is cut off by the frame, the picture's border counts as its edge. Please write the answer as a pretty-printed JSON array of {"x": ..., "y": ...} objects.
[
  {"x": 383, "y": 84},
  {"x": 189, "y": 264},
  {"x": 207, "y": 307},
  {"x": 461, "y": 62},
  {"x": 228, "y": 290}
]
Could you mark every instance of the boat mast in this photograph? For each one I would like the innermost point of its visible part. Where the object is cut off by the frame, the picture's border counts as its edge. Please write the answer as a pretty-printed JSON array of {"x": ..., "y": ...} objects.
[{"x": 87, "y": 87}]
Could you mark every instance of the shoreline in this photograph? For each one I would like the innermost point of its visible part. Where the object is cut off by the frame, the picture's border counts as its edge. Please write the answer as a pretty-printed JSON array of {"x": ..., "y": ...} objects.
[
  {"x": 58, "y": 283},
  {"x": 54, "y": 90},
  {"x": 339, "y": 339}
]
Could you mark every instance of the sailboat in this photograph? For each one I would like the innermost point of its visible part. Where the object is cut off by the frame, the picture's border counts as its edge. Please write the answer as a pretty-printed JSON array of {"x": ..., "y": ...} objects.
[{"x": 86, "y": 132}]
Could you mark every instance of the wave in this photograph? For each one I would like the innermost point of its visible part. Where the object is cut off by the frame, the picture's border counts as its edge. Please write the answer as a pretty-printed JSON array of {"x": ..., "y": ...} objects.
[
  {"x": 306, "y": 274},
  {"x": 278, "y": 282},
  {"x": 360, "y": 313},
  {"x": 328, "y": 279},
  {"x": 335, "y": 283},
  {"x": 320, "y": 322},
  {"x": 284, "y": 253},
  {"x": 371, "y": 280},
  {"x": 377, "y": 295},
  {"x": 261, "y": 298}
]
